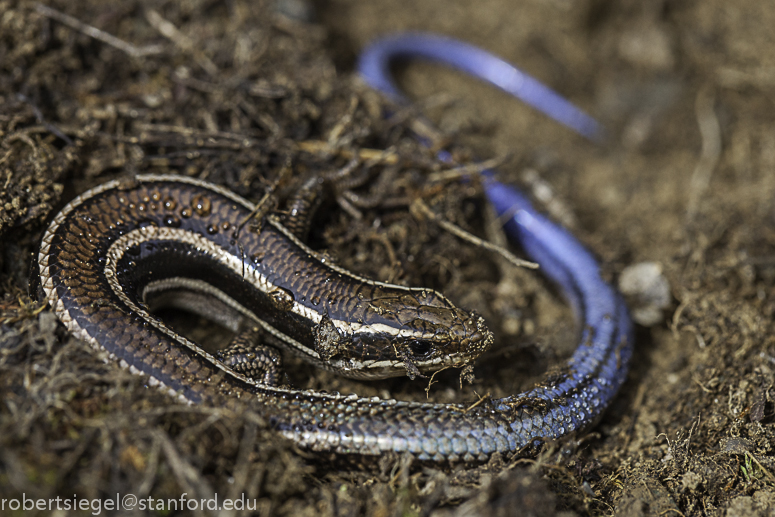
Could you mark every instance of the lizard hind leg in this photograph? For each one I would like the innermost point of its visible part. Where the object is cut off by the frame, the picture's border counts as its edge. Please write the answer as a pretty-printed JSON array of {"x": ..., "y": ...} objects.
[{"x": 246, "y": 355}]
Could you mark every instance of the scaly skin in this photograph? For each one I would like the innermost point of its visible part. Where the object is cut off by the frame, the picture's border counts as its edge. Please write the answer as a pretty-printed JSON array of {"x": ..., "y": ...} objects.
[{"x": 101, "y": 250}]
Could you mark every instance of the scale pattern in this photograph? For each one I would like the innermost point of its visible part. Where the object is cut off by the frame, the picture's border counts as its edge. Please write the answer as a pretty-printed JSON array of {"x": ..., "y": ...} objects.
[{"x": 78, "y": 278}]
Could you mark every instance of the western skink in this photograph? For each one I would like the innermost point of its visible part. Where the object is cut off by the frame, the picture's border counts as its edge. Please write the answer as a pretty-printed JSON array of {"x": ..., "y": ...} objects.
[
  {"x": 117, "y": 242},
  {"x": 108, "y": 248}
]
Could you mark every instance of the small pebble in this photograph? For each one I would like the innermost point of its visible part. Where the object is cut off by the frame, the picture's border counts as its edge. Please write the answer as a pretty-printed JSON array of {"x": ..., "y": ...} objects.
[{"x": 647, "y": 292}]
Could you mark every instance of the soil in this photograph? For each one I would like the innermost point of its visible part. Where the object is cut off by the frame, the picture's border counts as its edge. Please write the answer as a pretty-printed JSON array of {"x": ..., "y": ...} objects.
[{"x": 235, "y": 92}]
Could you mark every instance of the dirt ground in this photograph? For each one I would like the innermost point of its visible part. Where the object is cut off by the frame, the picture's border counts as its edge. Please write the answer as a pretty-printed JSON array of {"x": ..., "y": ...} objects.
[{"x": 233, "y": 91}]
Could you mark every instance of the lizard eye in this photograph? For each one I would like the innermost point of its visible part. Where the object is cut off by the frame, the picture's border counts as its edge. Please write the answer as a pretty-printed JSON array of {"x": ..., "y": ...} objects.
[{"x": 420, "y": 349}]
